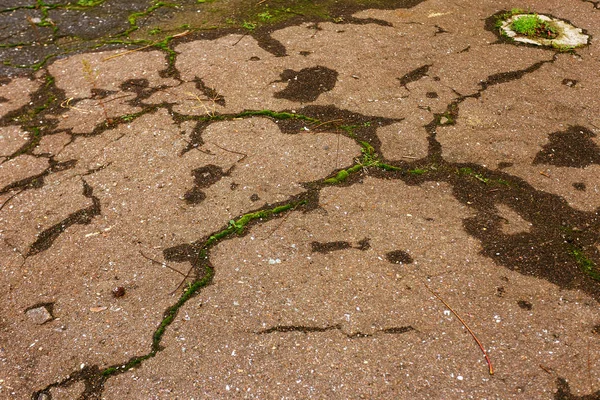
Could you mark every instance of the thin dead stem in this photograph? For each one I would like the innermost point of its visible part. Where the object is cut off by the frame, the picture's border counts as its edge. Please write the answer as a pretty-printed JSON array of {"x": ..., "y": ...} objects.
[
  {"x": 185, "y": 276},
  {"x": 244, "y": 155},
  {"x": 92, "y": 77},
  {"x": 162, "y": 263},
  {"x": 10, "y": 198},
  {"x": 487, "y": 359}
]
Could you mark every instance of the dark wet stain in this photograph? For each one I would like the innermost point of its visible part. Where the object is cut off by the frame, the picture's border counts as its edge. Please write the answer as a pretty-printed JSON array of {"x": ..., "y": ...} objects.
[
  {"x": 398, "y": 330},
  {"x": 141, "y": 87},
  {"x": 83, "y": 217},
  {"x": 504, "y": 77},
  {"x": 327, "y": 247},
  {"x": 209, "y": 92},
  {"x": 364, "y": 126},
  {"x": 440, "y": 30},
  {"x": 414, "y": 75},
  {"x": 298, "y": 328},
  {"x": 569, "y": 82},
  {"x": 196, "y": 136},
  {"x": 203, "y": 177},
  {"x": 99, "y": 94},
  {"x": 503, "y": 165},
  {"x": 564, "y": 392},
  {"x": 571, "y": 148},
  {"x": 399, "y": 257},
  {"x": 316, "y": 329},
  {"x": 366, "y": 21},
  {"x": 307, "y": 84},
  {"x": 364, "y": 244},
  {"x": 579, "y": 186},
  {"x": 37, "y": 181},
  {"x": 91, "y": 377},
  {"x": 269, "y": 43},
  {"x": 525, "y": 305},
  {"x": 254, "y": 197}
]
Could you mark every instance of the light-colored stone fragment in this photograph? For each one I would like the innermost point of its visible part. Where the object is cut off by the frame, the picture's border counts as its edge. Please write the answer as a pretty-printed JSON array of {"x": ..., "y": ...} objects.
[{"x": 39, "y": 315}]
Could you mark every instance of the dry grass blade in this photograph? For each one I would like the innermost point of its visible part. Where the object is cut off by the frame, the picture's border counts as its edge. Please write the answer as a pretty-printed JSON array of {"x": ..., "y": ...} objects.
[
  {"x": 163, "y": 264},
  {"x": 487, "y": 359}
]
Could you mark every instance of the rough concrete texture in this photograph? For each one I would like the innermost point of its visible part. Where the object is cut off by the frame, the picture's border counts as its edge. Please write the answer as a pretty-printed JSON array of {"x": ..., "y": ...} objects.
[{"x": 304, "y": 211}]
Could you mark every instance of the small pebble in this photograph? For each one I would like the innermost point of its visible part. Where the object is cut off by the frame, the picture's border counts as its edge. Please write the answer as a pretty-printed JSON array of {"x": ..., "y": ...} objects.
[
  {"x": 39, "y": 315},
  {"x": 119, "y": 291}
]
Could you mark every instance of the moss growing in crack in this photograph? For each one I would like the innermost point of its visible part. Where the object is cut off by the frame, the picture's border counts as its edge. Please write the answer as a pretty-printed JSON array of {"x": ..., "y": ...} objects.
[
  {"x": 275, "y": 115},
  {"x": 587, "y": 265},
  {"x": 418, "y": 171},
  {"x": 234, "y": 226},
  {"x": 90, "y": 3},
  {"x": 369, "y": 159},
  {"x": 133, "y": 18},
  {"x": 466, "y": 171}
]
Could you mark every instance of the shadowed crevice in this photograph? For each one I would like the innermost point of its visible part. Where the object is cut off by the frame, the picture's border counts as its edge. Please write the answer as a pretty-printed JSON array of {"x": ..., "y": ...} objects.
[
  {"x": 564, "y": 392},
  {"x": 414, "y": 75},
  {"x": 37, "y": 181},
  {"x": 211, "y": 93},
  {"x": 83, "y": 217},
  {"x": 317, "y": 329}
]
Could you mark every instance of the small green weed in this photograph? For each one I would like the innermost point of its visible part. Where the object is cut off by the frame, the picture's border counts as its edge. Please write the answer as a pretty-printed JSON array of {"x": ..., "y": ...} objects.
[
  {"x": 265, "y": 16},
  {"x": 532, "y": 25},
  {"x": 249, "y": 26},
  {"x": 588, "y": 266}
]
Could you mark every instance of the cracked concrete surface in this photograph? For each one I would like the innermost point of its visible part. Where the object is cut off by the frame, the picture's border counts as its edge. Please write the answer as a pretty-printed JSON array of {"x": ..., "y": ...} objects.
[{"x": 266, "y": 215}]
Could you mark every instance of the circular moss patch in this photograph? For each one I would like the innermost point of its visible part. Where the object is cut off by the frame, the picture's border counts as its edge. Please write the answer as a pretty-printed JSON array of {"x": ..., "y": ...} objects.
[{"x": 542, "y": 30}]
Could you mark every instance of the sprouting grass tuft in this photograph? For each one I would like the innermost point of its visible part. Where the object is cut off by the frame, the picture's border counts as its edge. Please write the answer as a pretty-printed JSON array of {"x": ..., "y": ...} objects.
[{"x": 532, "y": 25}]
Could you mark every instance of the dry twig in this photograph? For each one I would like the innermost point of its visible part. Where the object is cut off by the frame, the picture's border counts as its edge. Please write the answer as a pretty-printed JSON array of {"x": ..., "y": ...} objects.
[{"x": 487, "y": 359}]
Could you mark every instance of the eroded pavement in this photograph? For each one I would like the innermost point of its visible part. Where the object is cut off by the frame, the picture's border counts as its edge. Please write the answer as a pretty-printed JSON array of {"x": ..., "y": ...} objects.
[{"x": 269, "y": 214}]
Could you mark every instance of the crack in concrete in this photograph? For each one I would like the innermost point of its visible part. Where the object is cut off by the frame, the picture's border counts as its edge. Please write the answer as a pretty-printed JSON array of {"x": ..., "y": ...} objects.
[
  {"x": 82, "y": 217},
  {"x": 550, "y": 215},
  {"x": 306, "y": 329}
]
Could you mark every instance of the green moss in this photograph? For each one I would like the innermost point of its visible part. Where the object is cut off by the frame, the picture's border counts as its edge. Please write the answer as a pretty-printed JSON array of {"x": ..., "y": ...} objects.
[
  {"x": 588, "y": 266},
  {"x": 89, "y": 3},
  {"x": 275, "y": 115},
  {"x": 234, "y": 226},
  {"x": 417, "y": 171},
  {"x": 133, "y": 18},
  {"x": 249, "y": 26},
  {"x": 388, "y": 167},
  {"x": 466, "y": 171},
  {"x": 533, "y": 26}
]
